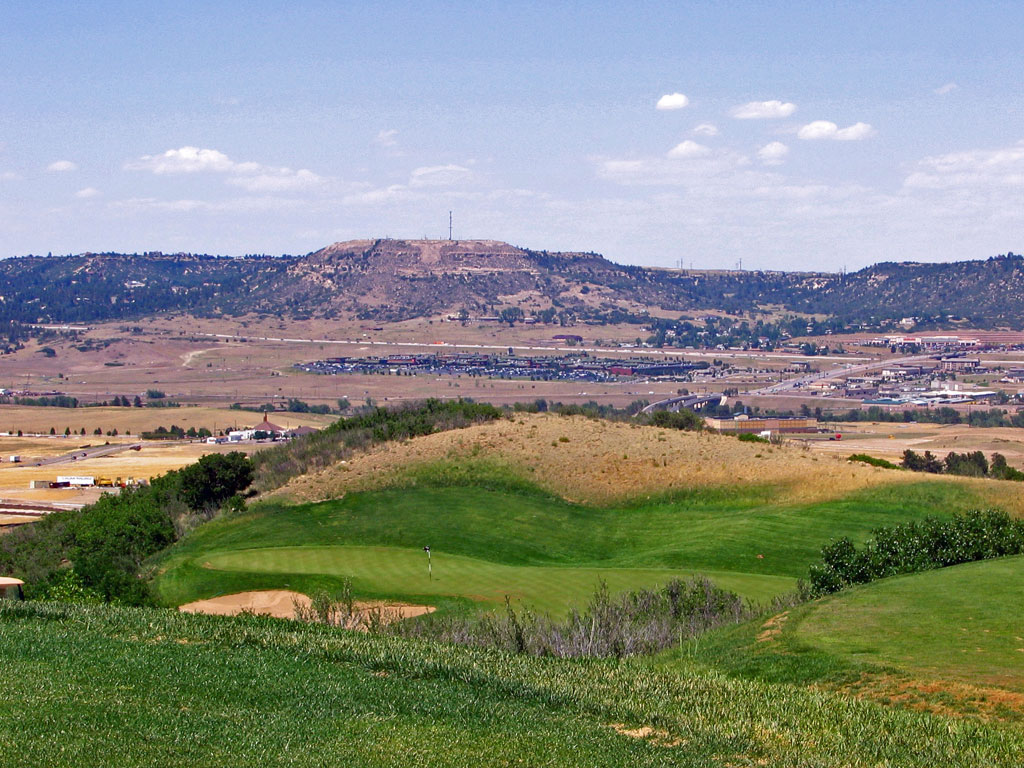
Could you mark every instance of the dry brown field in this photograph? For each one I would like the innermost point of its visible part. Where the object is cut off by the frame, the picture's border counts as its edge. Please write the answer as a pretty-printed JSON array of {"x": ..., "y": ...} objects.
[
  {"x": 155, "y": 458},
  {"x": 171, "y": 354},
  {"x": 889, "y": 440},
  {"x": 127, "y": 421}
]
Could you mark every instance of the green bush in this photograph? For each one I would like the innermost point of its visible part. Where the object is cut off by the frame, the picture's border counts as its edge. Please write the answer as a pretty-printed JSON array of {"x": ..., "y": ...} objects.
[
  {"x": 684, "y": 419},
  {"x": 917, "y": 546},
  {"x": 107, "y": 542},
  {"x": 964, "y": 464},
  {"x": 873, "y": 461},
  {"x": 750, "y": 437}
]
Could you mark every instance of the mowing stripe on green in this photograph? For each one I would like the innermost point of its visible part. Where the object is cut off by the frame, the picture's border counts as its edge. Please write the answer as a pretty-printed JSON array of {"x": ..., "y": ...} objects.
[{"x": 394, "y": 571}]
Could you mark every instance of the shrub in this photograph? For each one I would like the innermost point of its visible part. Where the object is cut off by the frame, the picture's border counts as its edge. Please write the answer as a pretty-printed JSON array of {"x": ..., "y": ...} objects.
[
  {"x": 107, "y": 542},
  {"x": 683, "y": 419},
  {"x": 750, "y": 437},
  {"x": 641, "y": 622},
  {"x": 917, "y": 546},
  {"x": 275, "y": 466},
  {"x": 873, "y": 461},
  {"x": 965, "y": 464}
]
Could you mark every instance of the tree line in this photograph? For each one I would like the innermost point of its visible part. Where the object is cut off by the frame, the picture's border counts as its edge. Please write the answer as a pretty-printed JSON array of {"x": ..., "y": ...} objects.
[{"x": 97, "y": 552}]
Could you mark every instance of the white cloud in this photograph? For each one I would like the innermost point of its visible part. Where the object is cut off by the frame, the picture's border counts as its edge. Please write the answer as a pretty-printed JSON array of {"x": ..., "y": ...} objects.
[
  {"x": 701, "y": 166},
  {"x": 688, "y": 149},
  {"x": 994, "y": 168},
  {"x": 9, "y": 176},
  {"x": 705, "y": 129},
  {"x": 825, "y": 129},
  {"x": 672, "y": 101},
  {"x": 251, "y": 176},
  {"x": 773, "y": 153},
  {"x": 87, "y": 193},
  {"x": 763, "y": 110},
  {"x": 277, "y": 180},
  {"x": 424, "y": 183},
  {"x": 438, "y": 176},
  {"x": 61, "y": 166},
  {"x": 185, "y": 160},
  {"x": 949, "y": 87},
  {"x": 855, "y": 132},
  {"x": 387, "y": 137},
  {"x": 238, "y": 205}
]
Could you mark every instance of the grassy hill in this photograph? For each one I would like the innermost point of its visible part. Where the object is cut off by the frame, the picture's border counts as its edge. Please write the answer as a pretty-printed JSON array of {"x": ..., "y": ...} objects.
[
  {"x": 949, "y": 640},
  {"x": 541, "y": 507},
  {"x": 493, "y": 536},
  {"x": 509, "y": 508},
  {"x": 98, "y": 686}
]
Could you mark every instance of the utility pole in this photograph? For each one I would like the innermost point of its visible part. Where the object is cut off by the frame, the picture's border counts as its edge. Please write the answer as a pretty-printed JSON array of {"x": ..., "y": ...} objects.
[{"x": 449, "y": 225}]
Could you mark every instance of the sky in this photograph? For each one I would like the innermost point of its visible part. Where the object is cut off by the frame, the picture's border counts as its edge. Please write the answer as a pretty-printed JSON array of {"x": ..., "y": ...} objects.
[{"x": 783, "y": 135}]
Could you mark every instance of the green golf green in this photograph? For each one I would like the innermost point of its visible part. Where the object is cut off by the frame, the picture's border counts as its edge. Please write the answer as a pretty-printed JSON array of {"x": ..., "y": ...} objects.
[
  {"x": 383, "y": 571},
  {"x": 521, "y": 542},
  {"x": 961, "y": 623}
]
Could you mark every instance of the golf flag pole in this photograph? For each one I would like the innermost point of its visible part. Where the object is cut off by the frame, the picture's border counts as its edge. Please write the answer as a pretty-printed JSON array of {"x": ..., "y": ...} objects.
[{"x": 430, "y": 569}]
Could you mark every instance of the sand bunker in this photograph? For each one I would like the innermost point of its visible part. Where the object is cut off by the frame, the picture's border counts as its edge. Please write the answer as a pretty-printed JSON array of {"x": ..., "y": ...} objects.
[{"x": 281, "y": 603}]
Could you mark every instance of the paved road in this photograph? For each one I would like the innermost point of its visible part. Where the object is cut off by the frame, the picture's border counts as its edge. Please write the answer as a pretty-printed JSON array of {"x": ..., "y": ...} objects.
[
  {"x": 693, "y": 402},
  {"x": 788, "y": 385},
  {"x": 81, "y": 454}
]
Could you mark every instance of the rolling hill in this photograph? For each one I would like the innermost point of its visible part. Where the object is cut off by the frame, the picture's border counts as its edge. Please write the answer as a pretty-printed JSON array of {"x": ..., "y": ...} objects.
[
  {"x": 947, "y": 641},
  {"x": 101, "y": 685},
  {"x": 542, "y": 508},
  {"x": 388, "y": 280}
]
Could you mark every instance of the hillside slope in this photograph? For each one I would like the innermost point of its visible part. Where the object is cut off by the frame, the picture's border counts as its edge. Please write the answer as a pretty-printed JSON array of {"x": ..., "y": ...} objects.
[
  {"x": 541, "y": 508},
  {"x": 399, "y": 279},
  {"x": 599, "y": 462},
  {"x": 97, "y": 686},
  {"x": 948, "y": 640}
]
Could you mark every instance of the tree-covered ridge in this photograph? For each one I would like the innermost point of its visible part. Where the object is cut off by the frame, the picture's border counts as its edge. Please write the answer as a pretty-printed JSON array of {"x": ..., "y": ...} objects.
[{"x": 393, "y": 279}]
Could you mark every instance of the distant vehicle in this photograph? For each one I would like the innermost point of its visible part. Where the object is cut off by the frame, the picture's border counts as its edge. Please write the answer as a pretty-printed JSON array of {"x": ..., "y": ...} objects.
[
  {"x": 136, "y": 448},
  {"x": 15, "y": 459}
]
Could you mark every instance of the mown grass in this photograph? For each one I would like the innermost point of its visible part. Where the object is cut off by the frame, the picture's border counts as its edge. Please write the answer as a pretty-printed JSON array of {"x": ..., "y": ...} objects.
[
  {"x": 100, "y": 686},
  {"x": 961, "y": 623},
  {"x": 517, "y": 540},
  {"x": 948, "y": 640},
  {"x": 390, "y": 571}
]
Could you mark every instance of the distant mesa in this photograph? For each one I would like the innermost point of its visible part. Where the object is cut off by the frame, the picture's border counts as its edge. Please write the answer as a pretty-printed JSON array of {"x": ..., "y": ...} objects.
[{"x": 384, "y": 280}]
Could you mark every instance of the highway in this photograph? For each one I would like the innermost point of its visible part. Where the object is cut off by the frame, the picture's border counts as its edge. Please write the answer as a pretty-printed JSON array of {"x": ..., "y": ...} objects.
[
  {"x": 81, "y": 454},
  {"x": 784, "y": 387}
]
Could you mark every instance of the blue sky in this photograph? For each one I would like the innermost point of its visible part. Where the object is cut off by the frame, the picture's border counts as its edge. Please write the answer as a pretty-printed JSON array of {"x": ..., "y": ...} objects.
[{"x": 810, "y": 135}]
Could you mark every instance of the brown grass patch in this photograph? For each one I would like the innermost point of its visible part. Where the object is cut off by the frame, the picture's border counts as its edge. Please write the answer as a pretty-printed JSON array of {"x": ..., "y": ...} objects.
[
  {"x": 34, "y": 419},
  {"x": 655, "y": 736},
  {"x": 605, "y": 462},
  {"x": 942, "y": 697},
  {"x": 772, "y": 628}
]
